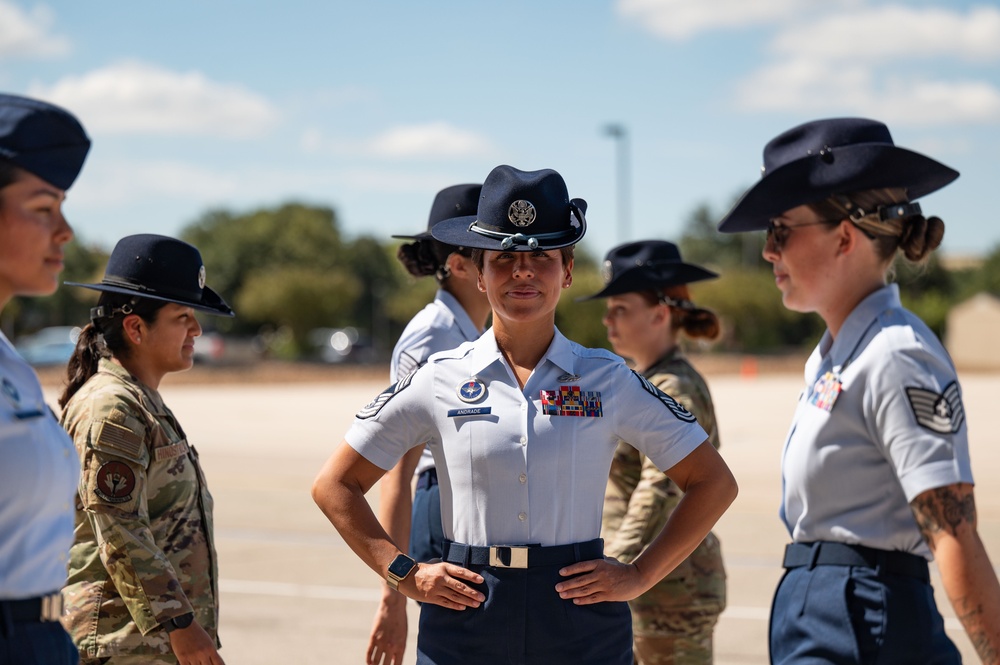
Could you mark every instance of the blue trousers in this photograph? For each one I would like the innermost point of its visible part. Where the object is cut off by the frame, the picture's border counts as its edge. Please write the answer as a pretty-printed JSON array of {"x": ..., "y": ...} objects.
[
  {"x": 524, "y": 622},
  {"x": 34, "y": 643},
  {"x": 426, "y": 532},
  {"x": 849, "y": 615}
]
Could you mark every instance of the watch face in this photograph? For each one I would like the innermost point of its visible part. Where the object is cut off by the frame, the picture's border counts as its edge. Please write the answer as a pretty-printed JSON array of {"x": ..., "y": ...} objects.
[{"x": 401, "y": 566}]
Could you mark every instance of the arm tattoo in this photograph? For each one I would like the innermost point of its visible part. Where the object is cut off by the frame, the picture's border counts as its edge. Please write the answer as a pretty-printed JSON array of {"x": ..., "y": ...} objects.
[{"x": 943, "y": 510}]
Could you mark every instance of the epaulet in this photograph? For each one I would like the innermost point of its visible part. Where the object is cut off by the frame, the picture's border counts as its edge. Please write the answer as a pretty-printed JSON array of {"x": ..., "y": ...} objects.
[{"x": 459, "y": 352}]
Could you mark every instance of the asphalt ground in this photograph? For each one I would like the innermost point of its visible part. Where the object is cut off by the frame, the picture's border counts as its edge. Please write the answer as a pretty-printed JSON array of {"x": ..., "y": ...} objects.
[{"x": 293, "y": 592}]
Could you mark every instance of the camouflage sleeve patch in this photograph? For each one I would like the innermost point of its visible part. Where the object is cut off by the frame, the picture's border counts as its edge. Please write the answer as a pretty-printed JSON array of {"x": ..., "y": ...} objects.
[
  {"x": 675, "y": 408},
  {"x": 373, "y": 407},
  {"x": 942, "y": 413}
]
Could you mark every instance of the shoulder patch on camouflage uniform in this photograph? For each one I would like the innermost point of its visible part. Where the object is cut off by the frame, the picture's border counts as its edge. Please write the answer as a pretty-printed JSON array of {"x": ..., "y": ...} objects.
[
  {"x": 118, "y": 439},
  {"x": 115, "y": 482},
  {"x": 675, "y": 408},
  {"x": 373, "y": 407}
]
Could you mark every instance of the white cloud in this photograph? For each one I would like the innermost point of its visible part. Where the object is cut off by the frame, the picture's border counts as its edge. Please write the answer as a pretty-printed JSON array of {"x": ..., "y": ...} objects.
[
  {"x": 680, "y": 19},
  {"x": 438, "y": 139},
  {"x": 827, "y": 88},
  {"x": 895, "y": 31},
  {"x": 120, "y": 182},
  {"x": 139, "y": 98},
  {"x": 28, "y": 34}
]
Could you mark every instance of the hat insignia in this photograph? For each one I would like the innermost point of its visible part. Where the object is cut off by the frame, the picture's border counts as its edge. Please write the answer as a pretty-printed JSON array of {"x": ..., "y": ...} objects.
[
  {"x": 607, "y": 271},
  {"x": 521, "y": 213},
  {"x": 201, "y": 277}
]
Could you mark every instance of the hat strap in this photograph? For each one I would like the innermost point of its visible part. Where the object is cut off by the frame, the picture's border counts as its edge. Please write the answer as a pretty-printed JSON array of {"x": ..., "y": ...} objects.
[
  {"x": 508, "y": 240},
  {"x": 885, "y": 220},
  {"x": 106, "y": 312}
]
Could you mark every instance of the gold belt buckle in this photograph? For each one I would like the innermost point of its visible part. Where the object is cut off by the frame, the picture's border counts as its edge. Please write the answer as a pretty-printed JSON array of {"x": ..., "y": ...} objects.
[
  {"x": 52, "y": 607},
  {"x": 516, "y": 557}
]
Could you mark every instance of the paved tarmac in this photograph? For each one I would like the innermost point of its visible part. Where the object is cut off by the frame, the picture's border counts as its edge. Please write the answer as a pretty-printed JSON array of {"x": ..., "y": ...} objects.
[{"x": 292, "y": 591}]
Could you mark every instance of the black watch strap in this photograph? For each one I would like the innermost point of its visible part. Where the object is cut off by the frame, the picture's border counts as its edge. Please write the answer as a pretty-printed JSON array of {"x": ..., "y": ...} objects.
[{"x": 182, "y": 621}]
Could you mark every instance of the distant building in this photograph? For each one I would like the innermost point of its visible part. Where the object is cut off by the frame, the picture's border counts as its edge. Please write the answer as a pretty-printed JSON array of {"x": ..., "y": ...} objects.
[{"x": 973, "y": 327}]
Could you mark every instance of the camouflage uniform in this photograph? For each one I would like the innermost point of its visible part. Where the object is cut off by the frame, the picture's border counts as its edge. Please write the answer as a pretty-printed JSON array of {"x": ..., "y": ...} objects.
[
  {"x": 673, "y": 621},
  {"x": 143, "y": 550}
]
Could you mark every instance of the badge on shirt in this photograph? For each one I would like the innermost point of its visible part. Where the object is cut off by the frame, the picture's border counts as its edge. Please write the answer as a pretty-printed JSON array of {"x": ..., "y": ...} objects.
[
  {"x": 939, "y": 412},
  {"x": 571, "y": 401},
  {"x": 568, "y": 378},
  {"x": 471, "y": 391},
  {"x": 115, "y": 482},
  {"x": 826, "y": 391},
  {"x": 673, "y": 405}
]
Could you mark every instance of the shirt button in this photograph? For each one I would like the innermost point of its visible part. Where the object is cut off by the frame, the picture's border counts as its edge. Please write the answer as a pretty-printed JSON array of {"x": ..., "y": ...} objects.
[
  {"x": 524, "y": 440},
  {"x": 523, "y": 478},
  {"x": 522, "y": 516},
  {"x": 62, "y": 556}
]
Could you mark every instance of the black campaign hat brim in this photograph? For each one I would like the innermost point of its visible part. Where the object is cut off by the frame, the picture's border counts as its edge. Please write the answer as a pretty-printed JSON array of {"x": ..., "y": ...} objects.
[
  {"x": 639, "y": 279},
  {"x": 854, "y": 168},
  {"x": 456, "y": 231},
  {"x": 211, "y": 302}
]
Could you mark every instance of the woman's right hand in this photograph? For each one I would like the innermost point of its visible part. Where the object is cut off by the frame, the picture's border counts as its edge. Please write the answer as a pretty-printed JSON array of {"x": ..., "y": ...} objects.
[
  {"x": 193, "y": 646},
  {"x": 442, "y": 584}
]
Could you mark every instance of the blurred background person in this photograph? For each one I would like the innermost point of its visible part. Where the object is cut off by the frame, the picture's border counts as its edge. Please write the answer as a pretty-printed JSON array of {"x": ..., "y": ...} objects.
[
  {"x": 457, "y": 314},
  {"x": 876, "y": 473},
  {"x": 42, "y": 149},
  {"x": 143, "y": 578},
  {"x": 648, "y": 309}
]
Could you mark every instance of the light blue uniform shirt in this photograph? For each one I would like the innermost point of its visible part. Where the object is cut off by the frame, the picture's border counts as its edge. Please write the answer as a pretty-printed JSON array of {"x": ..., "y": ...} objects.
[
  {"x": 442, "y": 325},
  {"x": 896, "y": 429},
  {"x": 513, "y": 467},
  {"x": 39, "y": 472}
]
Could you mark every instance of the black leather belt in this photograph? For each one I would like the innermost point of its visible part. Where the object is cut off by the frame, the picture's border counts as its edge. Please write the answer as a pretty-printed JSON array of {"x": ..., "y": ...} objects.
[
  {"x": 427, "y": 479},
  {"x": 823, "y": 553},
  {"x": 523, "y": 556},
  {"x": 45, "y": 608}
]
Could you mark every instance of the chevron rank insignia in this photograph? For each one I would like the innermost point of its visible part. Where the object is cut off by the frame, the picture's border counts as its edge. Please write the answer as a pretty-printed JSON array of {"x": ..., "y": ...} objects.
[
  {"x": 373, "y": 407},
  {"x": 939, "y": 412},
  {"x": 673, "y": 405}
]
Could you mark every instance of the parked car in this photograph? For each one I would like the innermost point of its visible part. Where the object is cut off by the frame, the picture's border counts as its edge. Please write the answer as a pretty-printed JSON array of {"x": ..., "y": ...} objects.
[{"x": 48, "y": 346}]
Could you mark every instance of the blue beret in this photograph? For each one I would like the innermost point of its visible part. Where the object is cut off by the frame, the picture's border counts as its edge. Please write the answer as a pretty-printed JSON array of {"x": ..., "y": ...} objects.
[{"x": 42, "y": 138}]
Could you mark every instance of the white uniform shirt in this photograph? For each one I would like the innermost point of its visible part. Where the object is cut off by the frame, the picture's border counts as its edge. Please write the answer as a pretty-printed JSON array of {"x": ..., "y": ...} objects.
[
  {"x": 511, "y": 473},
  {"x": 442, "y": 325},
  {"x": 39, "y": 472},
  {"x": 896, "y": 429}
]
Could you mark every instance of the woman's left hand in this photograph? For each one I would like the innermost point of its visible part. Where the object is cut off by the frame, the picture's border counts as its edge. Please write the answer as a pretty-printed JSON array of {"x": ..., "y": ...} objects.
[{"x": 600, "y": 581}]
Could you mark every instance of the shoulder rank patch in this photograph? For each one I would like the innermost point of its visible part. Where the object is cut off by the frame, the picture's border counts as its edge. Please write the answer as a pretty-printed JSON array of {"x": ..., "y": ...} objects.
[
  {"x": 942, "y": 413},
  {"x": 115, "y": 482},
  {"x": 675, "y": 407},
  {"x": 373, "y": 407}
]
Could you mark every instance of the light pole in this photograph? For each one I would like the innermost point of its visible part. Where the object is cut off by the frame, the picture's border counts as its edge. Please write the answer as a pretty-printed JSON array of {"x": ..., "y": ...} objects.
[{"x": 618, "y": 132}]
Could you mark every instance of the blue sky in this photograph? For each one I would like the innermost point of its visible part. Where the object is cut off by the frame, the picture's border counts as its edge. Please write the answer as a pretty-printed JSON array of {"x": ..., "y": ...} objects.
[{"x": 371, "y": 107}]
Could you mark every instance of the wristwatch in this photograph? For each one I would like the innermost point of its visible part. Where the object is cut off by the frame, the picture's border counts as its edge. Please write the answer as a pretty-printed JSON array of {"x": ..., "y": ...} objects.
[
  {"x": 183, "y": 621},
  {"x": 400, "y": 567}
]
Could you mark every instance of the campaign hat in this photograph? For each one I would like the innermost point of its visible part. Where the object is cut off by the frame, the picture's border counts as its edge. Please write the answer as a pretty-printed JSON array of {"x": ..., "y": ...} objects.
[
  {"x": 161, "y": 268},
  {"x": 454, "y": 201},
  {"x": 43, "y": 139},
  {"x": 818, "y": 159},
  {"x": 518, "y": 211},
  {"x": 646, "y": 265}
]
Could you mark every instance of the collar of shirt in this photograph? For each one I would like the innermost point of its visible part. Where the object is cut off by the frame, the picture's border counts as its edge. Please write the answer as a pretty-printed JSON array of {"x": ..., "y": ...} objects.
[
  {"x": 838, "y": 351},
  {"x": 462, "y": 319},
  {"x": 150, "y": 398},
  {"x": 485, "y": 352}
]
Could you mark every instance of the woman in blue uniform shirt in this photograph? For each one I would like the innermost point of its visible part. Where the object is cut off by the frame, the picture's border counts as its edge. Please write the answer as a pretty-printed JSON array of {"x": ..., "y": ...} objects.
[
  {"x": 457, "y": 314},
  {"x": 42, "y": 149},
  {"x": 523, "y": 424},
  {"x": 876, "y": 472}
]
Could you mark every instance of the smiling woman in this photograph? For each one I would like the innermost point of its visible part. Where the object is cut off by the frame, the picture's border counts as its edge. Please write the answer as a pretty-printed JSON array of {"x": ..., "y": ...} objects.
[
  {"x": 142, "y": 573},
  {"x": 42, "y": 149}
]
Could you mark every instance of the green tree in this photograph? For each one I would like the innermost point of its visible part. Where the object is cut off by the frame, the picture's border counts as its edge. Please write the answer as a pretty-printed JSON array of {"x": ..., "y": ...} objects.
[{"x": 282, "y": 268}]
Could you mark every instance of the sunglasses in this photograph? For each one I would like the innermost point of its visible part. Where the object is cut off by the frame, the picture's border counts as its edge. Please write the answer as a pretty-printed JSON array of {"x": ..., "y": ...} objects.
[{"x": 779, "y": 234}]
